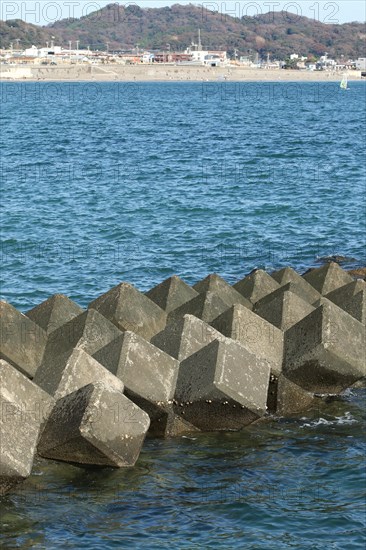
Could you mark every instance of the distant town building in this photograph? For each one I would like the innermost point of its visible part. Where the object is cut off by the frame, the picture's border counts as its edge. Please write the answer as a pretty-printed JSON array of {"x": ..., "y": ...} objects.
[{"x": 361, "y": 64}]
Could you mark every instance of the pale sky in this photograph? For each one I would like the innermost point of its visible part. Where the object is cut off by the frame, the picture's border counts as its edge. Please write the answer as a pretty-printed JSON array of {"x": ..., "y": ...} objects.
[{"x": 42, "y": 12}]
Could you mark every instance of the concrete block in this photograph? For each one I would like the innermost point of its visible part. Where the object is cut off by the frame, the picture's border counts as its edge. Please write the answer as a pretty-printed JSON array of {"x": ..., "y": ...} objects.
[
  {"x": 70, "y": 371},
  {"x": 327, "y": 278},
  {"x": 22, "y": 342},
  {"x": 171, "y": 293},
  {"x": 299, "y": 286},
  {"x": 24, "y": 410},
  {"x": 286, "y": 397},
  {"x": 283, "y": 308},
  {"x": 89, "y": 331},
  {"x": 96, "y": 425},
  {"x": 325, "y": 351},
  {"x": 149, "y": 375},
  {"x": 257, "y": 335},
  {"x": 206, "y": 306},
  {"x": 256, "y": 285},
  {"x": 185, "y": 336},
  {"x": 351, "y": 298},
  {"x": 222, "y": 387},
  {"x": 214, "y": 283},
  {"x": 54, "y": 312},
  {"x": 129, "y": 309}
]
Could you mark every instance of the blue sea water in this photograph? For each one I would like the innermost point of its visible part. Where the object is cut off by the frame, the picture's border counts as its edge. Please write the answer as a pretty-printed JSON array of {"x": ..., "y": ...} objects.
[
  {"x": 104, "y": 182},
  {"x": 127, "y": 181}
]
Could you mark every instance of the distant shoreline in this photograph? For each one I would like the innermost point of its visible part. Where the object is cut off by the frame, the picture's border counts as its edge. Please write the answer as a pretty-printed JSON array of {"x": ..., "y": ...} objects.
[{"x": 163, "y": 73}]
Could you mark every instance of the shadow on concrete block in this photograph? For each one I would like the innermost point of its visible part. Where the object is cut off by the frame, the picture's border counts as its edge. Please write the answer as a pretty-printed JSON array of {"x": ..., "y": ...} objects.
[
  {"x": 216, "y": 284},
  {"x": 22, "y": 342},
  {"x": 70, "y": 371},
  {"x": 256, "y": 285},
  {"x": 129, "y": 309},
  {"x": 96, "y": 425},
  {"x": 54, "y": 312},
  {"x": 253, "y": 332},
  {"x": 222, "y": 387},
  {"x": 325, "y": 351},
  {"x": 171, "y": 293},
  {"x": 24, "y": 410},
  {"x": 185, "y": 336}
]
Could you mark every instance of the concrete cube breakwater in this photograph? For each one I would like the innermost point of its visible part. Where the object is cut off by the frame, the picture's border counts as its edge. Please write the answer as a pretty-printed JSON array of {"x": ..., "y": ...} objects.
[{"x": 87, "y": 386}]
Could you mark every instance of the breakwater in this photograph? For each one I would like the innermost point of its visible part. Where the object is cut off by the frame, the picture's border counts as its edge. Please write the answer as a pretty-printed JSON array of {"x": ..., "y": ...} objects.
[{"x": 87, "y": 386}]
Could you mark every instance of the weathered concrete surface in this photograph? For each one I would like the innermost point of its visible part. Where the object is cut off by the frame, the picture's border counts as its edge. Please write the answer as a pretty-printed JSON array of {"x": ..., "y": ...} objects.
[
  {"x": 351, "y": 298},
  {"x": 299, "y": 285},
  {"x": 215, "y": 283},
  {"x": 358, "y": 273},
  {"x": 129, "y": 309},
  {"x": 171, "y": 293},
  {"x": 256, "y": 285},
  {"x": 24, "y": 409},
  {"x": 149, "y": 375},
  {"x": 206, "y": 306},
  {"x": 89, "y": 331},
  {"x": 327, "y": 278},
  {"x": 185, "y": 336},
  {"x": 286, "y": 397},
  {"x": 22, "y": 342},
  {"x": 325, "y": 351},
  {"x": 283, "y": 308},
  {"x": 222, "y": 387},
  {"x": 256, "y": 334},
  {"x": 95, "y": 425},
  {"x": 70, "y": 371},
  {"x": 54, "y": 312}
]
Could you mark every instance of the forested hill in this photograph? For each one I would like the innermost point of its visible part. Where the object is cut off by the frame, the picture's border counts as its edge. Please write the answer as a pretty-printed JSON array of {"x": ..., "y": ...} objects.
[{"x": 116, "y": 27}]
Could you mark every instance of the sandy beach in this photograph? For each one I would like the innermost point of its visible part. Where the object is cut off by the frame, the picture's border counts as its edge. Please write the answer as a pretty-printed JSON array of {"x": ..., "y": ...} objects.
[{"x": 159, "y": 73}]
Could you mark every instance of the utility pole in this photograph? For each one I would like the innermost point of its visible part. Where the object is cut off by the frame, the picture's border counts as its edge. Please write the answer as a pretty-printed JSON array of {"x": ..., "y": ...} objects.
[
  {"x": 199, "y": 41},
  {"x": 77, "y": 50},
  {"x": 70, "y": 50}
]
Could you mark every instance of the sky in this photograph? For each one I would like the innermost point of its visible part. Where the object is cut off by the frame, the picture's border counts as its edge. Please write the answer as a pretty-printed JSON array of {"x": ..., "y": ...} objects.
[{"x": 43, "y": 12}]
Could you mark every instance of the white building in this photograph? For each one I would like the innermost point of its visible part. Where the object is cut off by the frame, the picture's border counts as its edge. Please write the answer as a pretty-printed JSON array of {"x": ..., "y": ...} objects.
[
  {"x": 31, "y": 52},
  {"x": 361, "y": 64}
]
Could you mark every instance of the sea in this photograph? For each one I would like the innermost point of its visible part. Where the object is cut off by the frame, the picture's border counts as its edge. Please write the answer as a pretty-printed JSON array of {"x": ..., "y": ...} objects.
[{"x": 110, "y": 182}]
